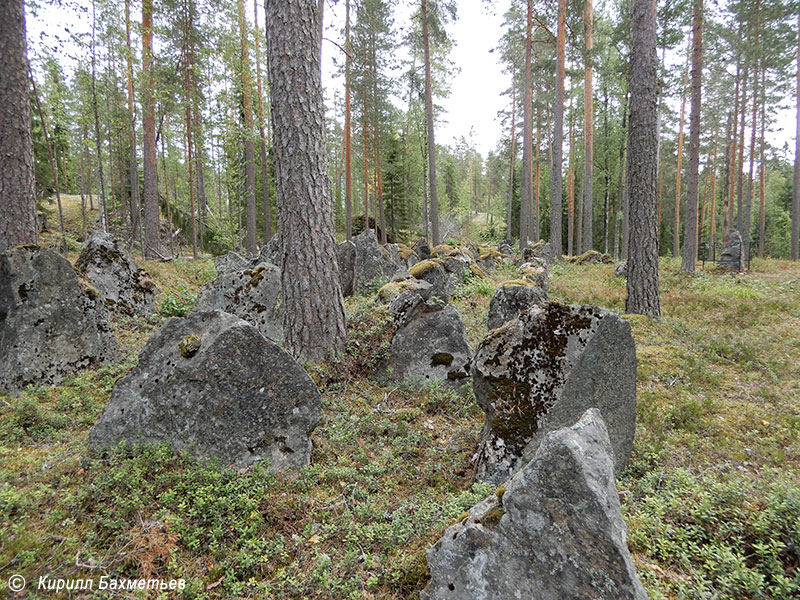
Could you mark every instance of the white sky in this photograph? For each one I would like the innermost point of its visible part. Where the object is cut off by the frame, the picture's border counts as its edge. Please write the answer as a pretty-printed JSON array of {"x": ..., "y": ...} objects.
[{"x": 474, "y": 100}]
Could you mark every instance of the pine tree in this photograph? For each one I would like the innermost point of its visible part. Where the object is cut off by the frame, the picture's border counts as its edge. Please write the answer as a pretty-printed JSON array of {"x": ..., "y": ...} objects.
[
  {"x": 17, "y": 205},
  {"x": 643, "y": 296},
  {"x": 314, "y": 321}
]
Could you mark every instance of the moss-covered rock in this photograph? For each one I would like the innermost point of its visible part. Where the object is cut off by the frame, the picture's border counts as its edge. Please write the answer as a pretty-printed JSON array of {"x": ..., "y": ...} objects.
[
  {"x": 434, "y": 272},
  {"x": 118, "y": 280},
  {"x": 544, "y": 369},
  {"x": 441, "y": 250},
  {"x": 189, "y": 345},
  {"x": 393, "y": 289}
]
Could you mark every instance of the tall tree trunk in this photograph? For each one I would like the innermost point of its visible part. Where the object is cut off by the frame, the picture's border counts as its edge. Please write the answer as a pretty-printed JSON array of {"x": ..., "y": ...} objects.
[
  {"x": 261, "y": 121},
  {"x": 702, "y": 227},
  {"x": 18, "y": 222},
  {"x": 314, "y": 319},
  {"x": 713, "y": 227},
  {"x": 588, "y": 120},
  {"x": 643, "y": 295},
  {"x": 429, "y": 115},
  {"x": 97, "y": 139},
  {"x": 249, "y": 150},
  {"x": 365, "y": 139},
  {"x": 762, "y": 217},
  {"x": 376, "y": 126},
  {"x": 748, "y": 200},
  {"x": 676, "y": 234},
  {"x": 692, "y": 188},
  {"x": 607, "y": 174},
  {"x": 527, "y": 135},
  {"x": 537, "y": 230},
  {"x": 425, "y": 220},
  {"x": 152, "y": 241},
  {"x": 199, "y": 167},
  {"x": 726, "y": 178},
  {"x": 796, "y": 180},
  {"x": 570, "y": 189},
  {"x": 731, "y": 179},
  {"x": 558, "y": 134},
  {"x": 53, "y": 165},
  {"x": 624, "y": 196},
  {"x": 348, "y": 158},
  {"x": 740, "y": 161},
  {"x": 616, "y": 201},
  {"x": 164, "y": 143},
  {"x": 133, "y": 169},
  {"x": 82, "y": 186},
  {"x": 510, "y": 204},
  {"x": 190, "y": 167}
]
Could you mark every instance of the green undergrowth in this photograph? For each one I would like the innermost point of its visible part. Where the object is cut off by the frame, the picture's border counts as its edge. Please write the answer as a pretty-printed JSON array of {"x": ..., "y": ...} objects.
[{"x": 711, "y": 495}]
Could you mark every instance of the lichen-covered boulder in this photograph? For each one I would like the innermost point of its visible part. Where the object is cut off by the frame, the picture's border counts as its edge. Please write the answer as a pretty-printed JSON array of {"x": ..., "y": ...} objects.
[
  {"x": 52, "y": 325},
  {"x": 422, "y": 249},
  {"x": 541, "y": 372},
  {"x": 346, "y": 259},
  {"x": 400, "y": 284},
  {"x": 211, "y": 384},
  {"x": 270, "y": 252},
  {"x": 511, "y": 299},
  {"x": 554, "y": 532},
  {"x": 460, "y": 263},
  {"x": 230, "y": 263},
  {"x": 254, "y": 295},
  {"x": 732, "y": 257},
  {"x": 400, "y": 255},
  {"x": 488, "y": 258},
  {"x": 122, "y": 286},
  {"x": 505, "y": 248},
  {"x": 536, "y": 273},
  {"x": 591, "y": 257},
  {"x": 621, "y": 270},
  {"x": 369, "y": 265},
  {"x": 430, "y": 343},
  {"x": 434, "y": 272},
  {"x": 540, "y": 250}
]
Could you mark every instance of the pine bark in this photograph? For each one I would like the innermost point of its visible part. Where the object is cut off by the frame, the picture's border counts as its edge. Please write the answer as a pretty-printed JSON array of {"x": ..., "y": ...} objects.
[
  {"x": 570, "y": 190},
  {"x": 740, "y": 160},
  {"x": 97, "y": 139},
  {"x": 796, "y": 180},
  {"x": 527, "y": 135},
  {"x": 133, "y": 168},
  {"x": 588, "y": 121},
  {"x": 713, "y": 216},
  {"x": 17, "y": 196},
  {"x": 676, "y": 237},
  {"x": 429, "y": 116},
  {"x": 262, "y": 135},
  {"x": 348, "y": 151},
  {"x": 314, "y": 321},
  {"x": 558, "y": 135},
  {"x": 510, "y": 204},
  {"x": 152, "y": 240},
  {"x": 249, "y": 149},
  {"x": 762, "y": 217},
  {"x": 53, "y": 164},
  {"x": 692, "y": 187},
  {"x": 537, "y": 226},
  {"x": 643, "y": 296}
]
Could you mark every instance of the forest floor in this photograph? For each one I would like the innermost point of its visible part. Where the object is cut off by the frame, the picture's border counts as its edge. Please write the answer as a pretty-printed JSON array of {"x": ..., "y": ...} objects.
[{"x": 711, "y": 495}]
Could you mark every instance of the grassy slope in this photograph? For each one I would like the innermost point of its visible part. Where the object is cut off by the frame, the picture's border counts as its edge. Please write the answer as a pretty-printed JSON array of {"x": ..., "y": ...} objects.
[{"x": 712, "y": 495}]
